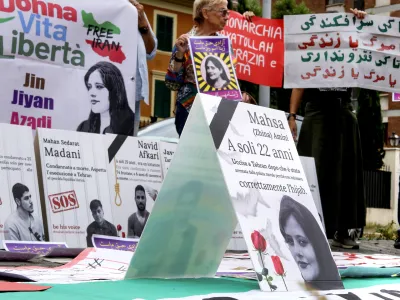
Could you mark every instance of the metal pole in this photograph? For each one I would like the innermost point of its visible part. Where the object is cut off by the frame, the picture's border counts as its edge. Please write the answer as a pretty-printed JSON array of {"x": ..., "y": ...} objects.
[{"x": 264, "y": 92}]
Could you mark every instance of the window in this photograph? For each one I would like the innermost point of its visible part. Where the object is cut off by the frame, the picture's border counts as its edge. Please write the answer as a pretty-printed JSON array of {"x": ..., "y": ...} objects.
[
  {"x": 165, "y": 32},
  {"x": 162, "y": 99}
]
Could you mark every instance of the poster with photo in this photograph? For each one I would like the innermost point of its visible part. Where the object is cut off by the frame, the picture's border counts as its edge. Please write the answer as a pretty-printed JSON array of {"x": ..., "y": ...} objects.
[
  {"x": 20, "y": 210},
  {"x": 269, "y": 191},
  {"x": 135, "y": 176},
  {"x": 73, "y": 167},
  {"x": 70, "y": 65},
  {"x": 214, "y": 69}
]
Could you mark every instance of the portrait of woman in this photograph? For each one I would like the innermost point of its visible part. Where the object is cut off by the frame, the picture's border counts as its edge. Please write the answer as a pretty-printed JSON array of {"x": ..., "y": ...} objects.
[
  {"x": 308, "y": 245},
  {"x": 110, "y": 111},
  {"x": 215, "y": 73}
]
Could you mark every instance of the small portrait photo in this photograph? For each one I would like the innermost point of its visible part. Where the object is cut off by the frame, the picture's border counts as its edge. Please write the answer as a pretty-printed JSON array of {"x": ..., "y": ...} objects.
[
  {"x": 215, "y": 72},
  {"x": 308, "y": 245},
  {"x": 100, "y": 225},
  {"x": 106, "y": 92},
  {"x": 22, "y": 225}
]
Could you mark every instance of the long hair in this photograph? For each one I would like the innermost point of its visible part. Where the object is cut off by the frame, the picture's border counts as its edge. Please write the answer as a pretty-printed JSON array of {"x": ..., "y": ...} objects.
[
  {"x": 217, "y": 63},
  {"x": 328, "y": 274},
  {"x": 119, "y": 106}
]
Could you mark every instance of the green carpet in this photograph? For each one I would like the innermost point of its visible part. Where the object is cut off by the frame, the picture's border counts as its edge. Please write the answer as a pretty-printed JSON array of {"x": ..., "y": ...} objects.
[{"x": 154, "y": 289}]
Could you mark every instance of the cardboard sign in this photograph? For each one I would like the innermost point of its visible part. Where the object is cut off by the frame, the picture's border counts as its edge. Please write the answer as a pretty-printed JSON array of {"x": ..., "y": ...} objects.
[
  {"x": 167, "y": 153},
  {"x": 258, "y": 47},
  {"x": 67, "y": 63},
  {"x": 97, "y": 184},
  {"x": 340, "y": 50},
  {"x": 244, "y": 167},
  {"x": 115, "y": 243},
  {"x": 214, "y": 70},
  {"x": 20, "y": 211}
]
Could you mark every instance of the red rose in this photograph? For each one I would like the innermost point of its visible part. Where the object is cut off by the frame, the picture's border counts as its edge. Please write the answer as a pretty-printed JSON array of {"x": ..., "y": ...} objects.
[
  {"x": 123, "y": 234},
  {"x": 278, "y": 265},
  {"x": 119, "y": 227},
  {"x": 258, "y": 241}
]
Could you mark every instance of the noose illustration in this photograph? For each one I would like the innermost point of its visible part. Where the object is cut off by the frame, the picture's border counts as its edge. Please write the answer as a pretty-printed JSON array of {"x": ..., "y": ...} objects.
[{"x": 117, "y": 194}]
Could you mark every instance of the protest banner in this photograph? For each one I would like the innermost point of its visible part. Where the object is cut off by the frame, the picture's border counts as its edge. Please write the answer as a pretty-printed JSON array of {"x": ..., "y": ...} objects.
[
  {"x": 244, "y": 167},
  {"x": 96, "y": 184},
  {"x": 214, "y": 70},
  {"x": 20, "y": 211},
  {"x": 340, "y": 50},
  {"x": 258, "y": 47},
  {"x": 68, "y": 62}
]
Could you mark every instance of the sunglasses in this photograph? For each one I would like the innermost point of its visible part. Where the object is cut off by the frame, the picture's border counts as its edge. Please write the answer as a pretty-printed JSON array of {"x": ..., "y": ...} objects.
[{"x": 223, "y": 11}]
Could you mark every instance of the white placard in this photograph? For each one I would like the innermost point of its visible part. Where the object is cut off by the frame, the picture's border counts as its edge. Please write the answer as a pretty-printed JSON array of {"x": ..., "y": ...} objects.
[
  {"x": 243, "y": 160},
  {"x": 67, "y": 63},
  {"x": 20, "y": 210}
]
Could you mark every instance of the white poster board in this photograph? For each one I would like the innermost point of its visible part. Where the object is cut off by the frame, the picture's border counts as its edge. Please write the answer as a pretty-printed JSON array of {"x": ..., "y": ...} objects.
[
  {"x": 68, "y": 62},
  {"x": 236, "y": 174},
  {"x": 20, "y": 210},
  {"x": 86, "y": 192}
]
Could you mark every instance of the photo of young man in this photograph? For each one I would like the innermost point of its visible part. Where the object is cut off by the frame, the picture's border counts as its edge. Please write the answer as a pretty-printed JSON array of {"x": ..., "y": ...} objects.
[
  {"x": 21, "y": 225},
  {"x": 99, "y": 225},
  {"x": 137, "y": 220}
]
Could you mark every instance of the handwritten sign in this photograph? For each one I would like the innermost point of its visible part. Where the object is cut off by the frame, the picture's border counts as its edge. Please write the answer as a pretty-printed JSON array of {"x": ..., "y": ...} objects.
[
  {"x": 214, "y": 69},
  {"x": 339, "y": 50},
  {"x": 41, "y": 248},
  {"x": 258, "y": 47},
  {"x": 115, "y": 243}
]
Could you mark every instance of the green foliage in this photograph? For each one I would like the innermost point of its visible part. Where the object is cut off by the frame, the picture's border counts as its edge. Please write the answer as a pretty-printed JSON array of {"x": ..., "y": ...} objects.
[
  {"x": 379, "y": 232},
  {"x": 371, "y": 129},
  {"x": 289, "y": 7}
]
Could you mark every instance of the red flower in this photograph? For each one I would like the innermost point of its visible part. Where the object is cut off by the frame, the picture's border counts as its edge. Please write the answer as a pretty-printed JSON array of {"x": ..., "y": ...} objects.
[
  {"x": 258, "y": 241},
  {"x": 278, "y": 265},
  {"x": 123, "y": 234},
  {"x": 119, "y": 227}
]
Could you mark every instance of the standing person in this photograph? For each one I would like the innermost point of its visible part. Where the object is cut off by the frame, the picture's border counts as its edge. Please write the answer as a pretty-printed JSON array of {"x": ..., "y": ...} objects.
[
  {"x": 110, "y": 111},
  {"x": 330, "y": 134},
  {"x": 210, "y": 17},
  {"x": 99, "y": 225},
  {"x": 147, "y": 47},
  {"x": 137, "y": 220},
  {"x": 21, "y": 225}
]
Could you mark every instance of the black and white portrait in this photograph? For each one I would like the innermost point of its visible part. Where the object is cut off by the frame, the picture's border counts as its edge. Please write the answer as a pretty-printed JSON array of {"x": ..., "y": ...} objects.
[
  {"x": 215, "y": 72},
  {"x": 21, "y": 225},
  {"x": 99, "y": 225},
  {"x": 110, "y": 110},
  {"x": 308, "y": 245},
  {"x": 137, "y": 220}
]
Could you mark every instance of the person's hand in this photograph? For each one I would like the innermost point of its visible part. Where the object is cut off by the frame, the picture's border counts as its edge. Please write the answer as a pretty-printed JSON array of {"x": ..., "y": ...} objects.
[
  {"x": 182, "y": 44},
  {"x": 142, "y": 22},
  {"x": 293, "y": 128},
  {"x": 358, "y": 13},
  {"x": 247, "y": 98},
  {"x": 248, "y": 15}
]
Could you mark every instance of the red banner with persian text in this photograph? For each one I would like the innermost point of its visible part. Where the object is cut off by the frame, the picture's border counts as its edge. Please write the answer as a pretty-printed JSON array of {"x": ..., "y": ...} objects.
[{"x": 258, "y": 47}]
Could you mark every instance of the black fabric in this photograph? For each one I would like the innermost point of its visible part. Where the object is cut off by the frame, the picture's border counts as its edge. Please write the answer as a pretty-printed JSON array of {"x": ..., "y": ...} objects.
[
  {"x": 330, "y": 134},
  {"x": 115, "y": 146},
  {"x": 181, "y": 115},
  {"x": 220, "y": 122}
]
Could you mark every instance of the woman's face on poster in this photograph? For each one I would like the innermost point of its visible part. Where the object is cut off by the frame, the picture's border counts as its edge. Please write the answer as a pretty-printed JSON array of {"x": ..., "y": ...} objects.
[
  {"x": 302, "y": 250},
  {"x": 213, "y": 72},
  {"x": 98, "y": 93}
]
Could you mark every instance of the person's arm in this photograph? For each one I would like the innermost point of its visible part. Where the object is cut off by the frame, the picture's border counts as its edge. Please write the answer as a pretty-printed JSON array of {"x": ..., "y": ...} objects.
[
  {"x": 143, "y": 23},
  {"x": 131, "y": 231},
  {"x": 174, "y": 78},
  {"x": 89, "y": 237},
  {"x": 295, "y": 101},
  {"x": 11, "y": 232},
  {"x": 114, "y": 230}
]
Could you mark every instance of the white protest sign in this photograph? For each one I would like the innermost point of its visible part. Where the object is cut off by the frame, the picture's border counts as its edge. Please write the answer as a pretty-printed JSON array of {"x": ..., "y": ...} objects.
[
  {"x": 97, "y": 184},
  {"x": 167, "y": 153},
  {"x": 243, "y": 161},
  {"x": 20, "y": 210},
  {"x": 67, "y": 63},
  {"x": 340, "y": 50}
]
